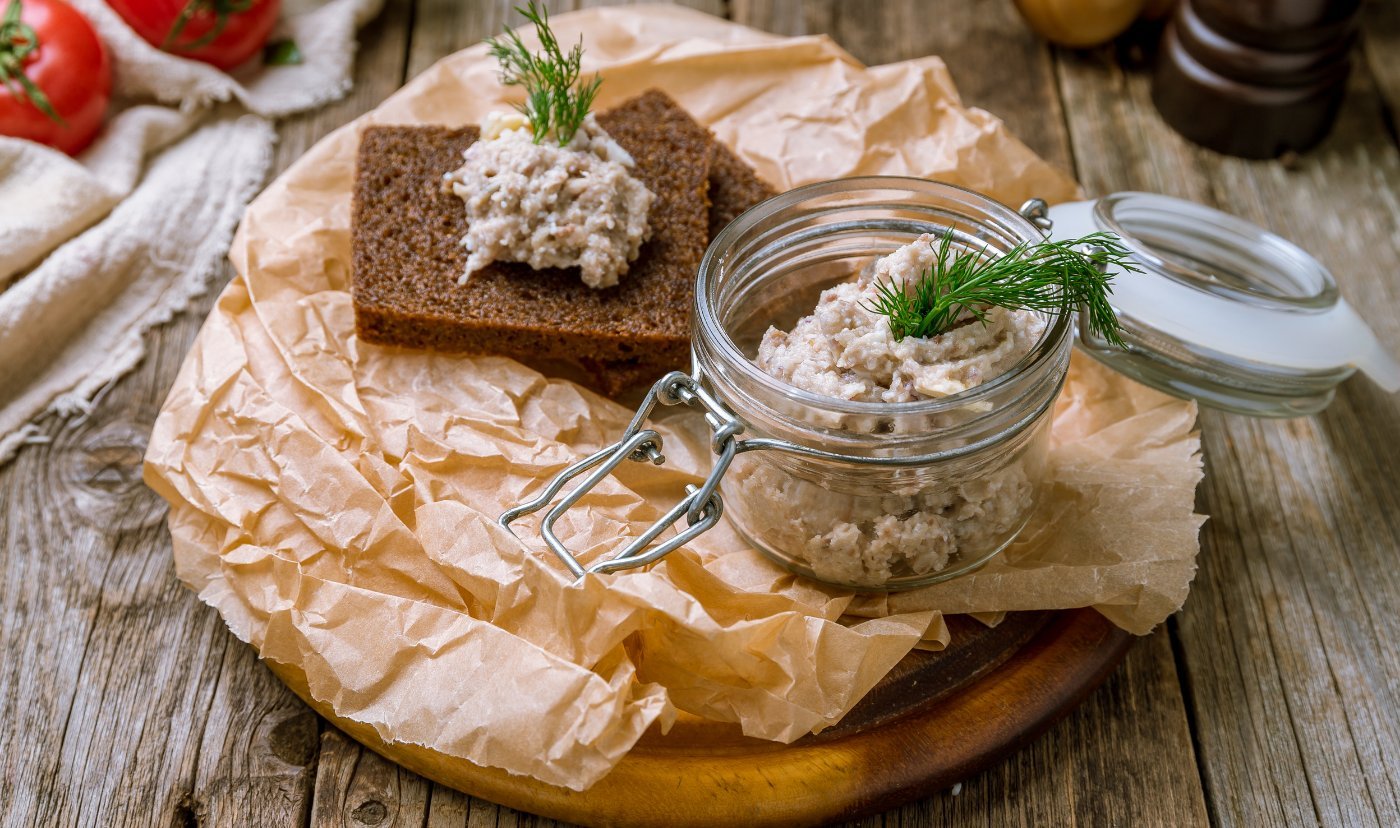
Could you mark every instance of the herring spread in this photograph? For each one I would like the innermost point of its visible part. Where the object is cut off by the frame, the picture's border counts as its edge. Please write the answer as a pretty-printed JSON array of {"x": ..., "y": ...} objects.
[
  {"x": 868, "y": 539},
  {"x": 917, "y": 525},
  {"x": 550, "y": 206},
  {"x": 844, "y": 350}
]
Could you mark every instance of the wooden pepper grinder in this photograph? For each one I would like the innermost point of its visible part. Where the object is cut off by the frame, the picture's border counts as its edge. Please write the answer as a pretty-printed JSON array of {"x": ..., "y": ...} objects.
[{"x": 1257, "y": 78}]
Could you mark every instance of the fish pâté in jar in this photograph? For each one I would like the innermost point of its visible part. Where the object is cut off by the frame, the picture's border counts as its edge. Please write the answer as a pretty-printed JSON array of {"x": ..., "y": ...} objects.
[
  {"x": 877, "y": 359},
  {"x": 910, "y": 338}
]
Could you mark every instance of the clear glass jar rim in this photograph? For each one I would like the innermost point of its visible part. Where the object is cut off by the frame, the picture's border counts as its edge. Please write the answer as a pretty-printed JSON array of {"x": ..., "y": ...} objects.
[
  {"x": 1224, "y": 228},
  {"x": 709, "y": 325}
]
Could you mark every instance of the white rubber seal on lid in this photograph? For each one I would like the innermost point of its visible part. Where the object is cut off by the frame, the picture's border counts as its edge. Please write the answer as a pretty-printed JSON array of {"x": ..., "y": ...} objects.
[{"x": 1215, "y": 281}]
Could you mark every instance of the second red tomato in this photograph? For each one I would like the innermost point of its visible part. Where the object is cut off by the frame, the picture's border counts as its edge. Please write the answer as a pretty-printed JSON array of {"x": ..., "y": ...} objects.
[{"x": 222, "y": 33}]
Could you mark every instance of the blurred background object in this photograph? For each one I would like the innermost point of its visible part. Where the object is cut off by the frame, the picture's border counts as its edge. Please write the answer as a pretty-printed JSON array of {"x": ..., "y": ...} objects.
[
  {"x": 1079, "y": 24},
  {"x": 1257, "y": 79},
  {"x": 222, "y": 34}
]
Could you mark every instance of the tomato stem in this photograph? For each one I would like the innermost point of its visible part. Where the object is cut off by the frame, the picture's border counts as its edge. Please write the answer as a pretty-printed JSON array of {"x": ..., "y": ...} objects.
[
  {"x": 221, "y": 9},
  {"x": 18, "y": 41}
]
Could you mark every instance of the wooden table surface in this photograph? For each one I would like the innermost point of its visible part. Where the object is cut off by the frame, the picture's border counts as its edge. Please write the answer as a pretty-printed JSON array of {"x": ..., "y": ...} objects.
[{"x": 1273, "y": 698}]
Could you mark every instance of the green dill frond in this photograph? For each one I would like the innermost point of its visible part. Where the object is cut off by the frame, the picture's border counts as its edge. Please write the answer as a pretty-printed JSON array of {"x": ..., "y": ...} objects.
[
  {"x": 1050, "y": 276},
  {"x": 555, "y": 101}
]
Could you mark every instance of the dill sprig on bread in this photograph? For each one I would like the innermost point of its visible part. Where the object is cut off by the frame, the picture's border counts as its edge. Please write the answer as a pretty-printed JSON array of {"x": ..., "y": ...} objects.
[{"x": 555, "y": 102}]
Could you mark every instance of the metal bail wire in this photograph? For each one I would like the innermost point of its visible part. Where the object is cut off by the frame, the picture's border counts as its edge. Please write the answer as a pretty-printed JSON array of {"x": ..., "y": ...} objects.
[{"x": 701, "y": 507}]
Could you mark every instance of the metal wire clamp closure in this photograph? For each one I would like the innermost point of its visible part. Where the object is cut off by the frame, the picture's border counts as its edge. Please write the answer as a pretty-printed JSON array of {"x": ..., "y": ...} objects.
[{"x": 701, "y": 507}]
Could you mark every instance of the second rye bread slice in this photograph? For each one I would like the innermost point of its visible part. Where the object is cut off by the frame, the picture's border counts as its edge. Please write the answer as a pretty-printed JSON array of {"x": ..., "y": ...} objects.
[
  {"x": 734, "y": 188},
  {"x": 407, "y": 253}
]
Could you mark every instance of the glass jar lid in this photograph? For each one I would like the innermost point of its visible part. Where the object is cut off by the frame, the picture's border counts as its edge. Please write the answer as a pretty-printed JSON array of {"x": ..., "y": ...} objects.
[{"x": 1224, "y": 311}]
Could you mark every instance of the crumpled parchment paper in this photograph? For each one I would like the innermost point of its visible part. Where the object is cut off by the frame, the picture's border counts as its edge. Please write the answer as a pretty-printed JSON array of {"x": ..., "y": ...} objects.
[{"x": 335, "y": 501}]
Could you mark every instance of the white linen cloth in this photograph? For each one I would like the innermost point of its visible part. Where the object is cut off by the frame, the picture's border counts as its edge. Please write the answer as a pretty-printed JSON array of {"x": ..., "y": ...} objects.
[{"x": 96, "y": 250}]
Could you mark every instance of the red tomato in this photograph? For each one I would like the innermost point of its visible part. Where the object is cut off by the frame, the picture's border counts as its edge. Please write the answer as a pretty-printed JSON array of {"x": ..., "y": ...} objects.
[
  {"x": 222, "y": 33},
  {"x": 52, "y": 45}
]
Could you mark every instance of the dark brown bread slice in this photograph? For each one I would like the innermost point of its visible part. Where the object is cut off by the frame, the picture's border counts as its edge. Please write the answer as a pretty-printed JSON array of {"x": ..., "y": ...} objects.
[
  {"x": 407, "y": 253},
  {"x": 734, "y": 188}
]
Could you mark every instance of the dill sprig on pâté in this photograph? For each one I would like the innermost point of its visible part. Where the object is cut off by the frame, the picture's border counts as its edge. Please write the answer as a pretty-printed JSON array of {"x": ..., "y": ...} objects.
[
  {"x": 1051, "y": 276},
  {"x": 555, "y": 102}
]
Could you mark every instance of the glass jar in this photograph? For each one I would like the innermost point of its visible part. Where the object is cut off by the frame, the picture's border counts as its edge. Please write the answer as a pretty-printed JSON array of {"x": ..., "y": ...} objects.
[{"x": 891, "y": 495}]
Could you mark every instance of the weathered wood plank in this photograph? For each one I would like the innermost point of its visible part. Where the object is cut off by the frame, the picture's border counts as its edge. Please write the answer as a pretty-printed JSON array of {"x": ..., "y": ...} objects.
[
  {"x": 1380, "y": 45},
  {"x": 449, "y": 809},
  {"x": 1074, "y": 774},
  {"x": 1288, "y": 635},
  {"x": 718, "y": 8},
  {"x": 108, "y": 668},
  {"x": 441, "y": 27},
  {"x": 357, "y": 787},
  {"x": 258, "y": 753}
]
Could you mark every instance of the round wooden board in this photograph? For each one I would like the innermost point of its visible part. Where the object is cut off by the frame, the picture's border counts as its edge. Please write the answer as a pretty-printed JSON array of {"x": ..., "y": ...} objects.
[{"x": 935, "y": 720}]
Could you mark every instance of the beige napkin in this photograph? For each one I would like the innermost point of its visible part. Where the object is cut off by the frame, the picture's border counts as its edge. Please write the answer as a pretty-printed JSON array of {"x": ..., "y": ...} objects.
[
  {"x": 336, "y": 501},
  {"x": 80, "y": 291}
]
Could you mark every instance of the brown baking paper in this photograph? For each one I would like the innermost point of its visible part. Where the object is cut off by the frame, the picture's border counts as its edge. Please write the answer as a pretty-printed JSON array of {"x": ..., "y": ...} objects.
[{"x": 336, "y": 501}]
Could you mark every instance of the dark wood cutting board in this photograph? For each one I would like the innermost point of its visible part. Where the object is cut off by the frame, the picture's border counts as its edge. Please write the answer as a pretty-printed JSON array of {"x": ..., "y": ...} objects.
[{"x": 934, "y": 720}]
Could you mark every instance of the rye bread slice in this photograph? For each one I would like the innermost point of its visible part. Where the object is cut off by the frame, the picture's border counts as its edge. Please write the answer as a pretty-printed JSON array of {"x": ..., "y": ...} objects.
[
  {"x": 734, "y": 188},
  {"x": 407, "y": 253}
]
